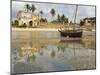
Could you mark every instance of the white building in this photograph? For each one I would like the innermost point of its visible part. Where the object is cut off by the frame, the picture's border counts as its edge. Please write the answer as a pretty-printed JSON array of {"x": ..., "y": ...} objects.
[
  {"x": 90, "y": 21},
  {"x": 26, "y": 17}
]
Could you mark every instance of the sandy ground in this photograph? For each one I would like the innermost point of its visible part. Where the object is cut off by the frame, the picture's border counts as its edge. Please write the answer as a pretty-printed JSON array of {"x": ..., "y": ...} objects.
[
  {"x": 41, "y": 29},
  {"x": 34, "y": 29}
]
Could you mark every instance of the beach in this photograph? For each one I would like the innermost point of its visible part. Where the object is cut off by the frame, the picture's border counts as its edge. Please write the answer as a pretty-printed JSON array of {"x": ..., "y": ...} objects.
[{"x": 34, "y": 29}]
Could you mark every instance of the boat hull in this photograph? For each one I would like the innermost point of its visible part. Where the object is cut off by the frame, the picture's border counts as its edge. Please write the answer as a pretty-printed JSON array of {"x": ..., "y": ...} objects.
[{"x": 71, "y": 34}]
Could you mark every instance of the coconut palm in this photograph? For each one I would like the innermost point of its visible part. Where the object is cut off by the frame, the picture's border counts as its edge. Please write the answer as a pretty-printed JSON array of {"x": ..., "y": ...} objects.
[
  {"x": 33, "y": 8},
  {"x": 53, "y": 12},
  {"x": 41, "y": 12},
  {"x": 63, "y": 18},
  {"x": 58, "y": 18},
  {"x": 16, "y": 22},
  {"x": 27, "y": 6}
]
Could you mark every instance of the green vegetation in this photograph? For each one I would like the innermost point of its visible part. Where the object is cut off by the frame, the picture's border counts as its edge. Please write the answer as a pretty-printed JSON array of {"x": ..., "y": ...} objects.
[
  {"x": 30, "y": 8},
  {"x": 41, "y": 12},
  {"x": 43, "y": 20},
  {"x": 58, "y": 18},
  {"x": 44, "y": 23},
  {"x": 23, "y": 26},
  {"x": 33, "y": 8},
  {"x": 15, "y": 23},
  {"x": 61, "y": 20},
  {"x": 27, "y": 6},
  {"x": 81, "y": 23},
  {"x": 53, "y": 12}
]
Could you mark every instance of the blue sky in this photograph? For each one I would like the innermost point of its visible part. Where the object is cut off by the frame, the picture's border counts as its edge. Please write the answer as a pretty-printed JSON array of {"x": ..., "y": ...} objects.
[{"x": 67, "y": 10}]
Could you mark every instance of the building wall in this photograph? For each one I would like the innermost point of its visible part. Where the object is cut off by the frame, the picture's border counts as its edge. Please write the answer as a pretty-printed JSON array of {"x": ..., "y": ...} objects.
[{"x": 25, "y": 17}]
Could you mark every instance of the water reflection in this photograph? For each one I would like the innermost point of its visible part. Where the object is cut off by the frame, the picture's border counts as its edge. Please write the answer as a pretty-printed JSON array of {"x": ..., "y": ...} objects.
[
  {"x": 31, "y": 58},
  {"x": 53, "y": 53},
  {"x": 46, "y": 51}
]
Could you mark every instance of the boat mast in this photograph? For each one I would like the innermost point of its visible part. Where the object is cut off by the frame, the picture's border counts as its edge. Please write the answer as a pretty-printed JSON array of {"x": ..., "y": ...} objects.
[
  {"x": 75, "y": 14},
  {"x": 74, "y": 25}
]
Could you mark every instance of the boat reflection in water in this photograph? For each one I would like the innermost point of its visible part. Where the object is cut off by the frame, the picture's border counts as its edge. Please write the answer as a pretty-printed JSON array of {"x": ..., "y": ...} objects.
[{"x": 45, "y": 51}]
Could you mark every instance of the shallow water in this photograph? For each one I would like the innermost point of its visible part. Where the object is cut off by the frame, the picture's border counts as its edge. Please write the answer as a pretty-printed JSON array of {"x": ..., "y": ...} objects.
[{"x": 42, "y": 51}]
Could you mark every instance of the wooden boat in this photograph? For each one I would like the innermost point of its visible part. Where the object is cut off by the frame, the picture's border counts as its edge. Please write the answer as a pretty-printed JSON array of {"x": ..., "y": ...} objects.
[{"x": 71, "y": 33}]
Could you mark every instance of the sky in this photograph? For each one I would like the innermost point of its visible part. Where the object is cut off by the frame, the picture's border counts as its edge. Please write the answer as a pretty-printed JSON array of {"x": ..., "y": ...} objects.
[{"x": 66, "y": 9}]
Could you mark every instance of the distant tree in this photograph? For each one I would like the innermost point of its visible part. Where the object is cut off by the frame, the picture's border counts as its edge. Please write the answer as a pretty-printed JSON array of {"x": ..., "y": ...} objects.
[
  {"x": 58, "y": 18},
  {"x": 53, "y": 12},
  {"x": 81, "y": 23},
  {"x": 33, "y": 8},
  {"x": 16, "y": 22},
  {"x": 63, "y": 18},
  {"x": 27, "y": 6},
  {"x": 41, "y": 12},
  {"x": 43, "y": 20},
  {"x": 54, "y": 21},
  {"x": 46, "y": 20},
  {"x": 70, "y": 22},
  {"x": 30, "y": 8},
  {"x": 66, "y": 20}
]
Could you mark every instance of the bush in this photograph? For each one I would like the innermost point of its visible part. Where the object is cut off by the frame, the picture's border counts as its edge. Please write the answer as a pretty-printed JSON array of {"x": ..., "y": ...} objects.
[
  {"x": 23, "y": 26},
  {"x": 15, "y": 23},
  {"x": 43, "y": 20}
]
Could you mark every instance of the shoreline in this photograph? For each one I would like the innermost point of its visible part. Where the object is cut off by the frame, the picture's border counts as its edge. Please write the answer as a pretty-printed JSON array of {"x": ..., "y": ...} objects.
[
  {"x": 40, "y": 29},
  {"x": 34, "y": 29}
]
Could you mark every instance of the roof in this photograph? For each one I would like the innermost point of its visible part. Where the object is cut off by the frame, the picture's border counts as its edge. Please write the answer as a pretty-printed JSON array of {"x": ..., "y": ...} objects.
[{"x": 91, "y": 18}]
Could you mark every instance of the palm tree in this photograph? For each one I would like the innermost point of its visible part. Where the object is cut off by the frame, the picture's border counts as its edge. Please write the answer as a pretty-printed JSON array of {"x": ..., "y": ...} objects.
[
  {"x": 81, "y": 23},
  {"x": 66, "y": 20},
  {"x": 33, "y": 8},
  {"x": 27, "y": 6},
  {"x": 63, "y": 19},
  {"x": 41, "y": 12},
  {"x": 53, "y": 12},
  {"x": 16, "y": 22},
  {"x": 58, "y": 18}
]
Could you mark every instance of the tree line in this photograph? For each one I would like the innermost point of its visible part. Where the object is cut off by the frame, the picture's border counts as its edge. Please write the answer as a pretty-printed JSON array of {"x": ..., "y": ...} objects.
[{"x": 62, "y": 19}]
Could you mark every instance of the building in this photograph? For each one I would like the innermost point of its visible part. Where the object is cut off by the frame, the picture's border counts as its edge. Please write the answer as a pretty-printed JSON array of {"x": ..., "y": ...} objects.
[
  {"x": 27, "y": 18},
  {"x": 90, "y": 21},
  {"x": 89, "y": 24}
]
